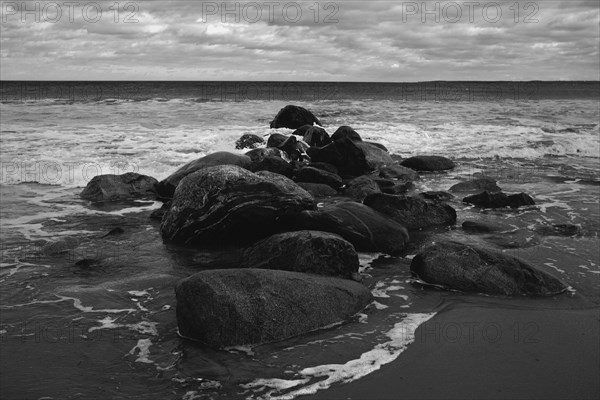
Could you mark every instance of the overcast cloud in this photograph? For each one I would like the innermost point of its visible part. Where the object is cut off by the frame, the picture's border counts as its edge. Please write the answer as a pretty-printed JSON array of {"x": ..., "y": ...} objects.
[{"x": 344, "y": 41}]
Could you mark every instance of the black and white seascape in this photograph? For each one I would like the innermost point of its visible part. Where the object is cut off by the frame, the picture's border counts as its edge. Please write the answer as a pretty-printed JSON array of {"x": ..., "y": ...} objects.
[{"x": 299, "y": 200}]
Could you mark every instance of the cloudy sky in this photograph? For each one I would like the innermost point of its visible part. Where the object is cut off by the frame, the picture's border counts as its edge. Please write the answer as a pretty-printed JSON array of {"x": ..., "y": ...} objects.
[{"x": 300, "y": 41}]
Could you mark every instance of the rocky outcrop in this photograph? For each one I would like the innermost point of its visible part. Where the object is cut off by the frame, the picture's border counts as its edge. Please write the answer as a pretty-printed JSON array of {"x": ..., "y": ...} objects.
[
  {"x": 362, "y": 226},
  {"x": 499, "y": 200},
  {"x": 477, "y": 269},
  {"x": 228, "y": 204},
  {"x": 313, "y": 252},
  {"x": 412, "y": 212},
  {"x": 119, "y": 187},
  {"x": 166, "y": 187},
  {"x": 294, "y": 117},
  {"x": 249, "y": 141},
  {"x": 428, "y": 163},
  {"x": 249, "y": 306},
  {"x": 436, "y": 195}
]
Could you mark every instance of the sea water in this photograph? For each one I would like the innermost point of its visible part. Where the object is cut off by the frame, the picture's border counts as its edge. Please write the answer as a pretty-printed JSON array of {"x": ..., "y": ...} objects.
[{"x": 98, "y": 320}]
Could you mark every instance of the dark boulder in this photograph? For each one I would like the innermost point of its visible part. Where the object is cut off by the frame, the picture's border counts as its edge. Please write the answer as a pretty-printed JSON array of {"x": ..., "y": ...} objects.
[
  {"x": 499, "y": 200},
  {"x": 119, "y": 187},
  {"x": 362, "y": 226},
  {"x": 276, "y": 140},
  {"x": 487, "y": 184},
  {"x": 346, "y": 132},
  {"x": 472, "y": 268},
  {"x": 375, "y": 157},
  {"x": 259, "y": 154},
  {"x": 316, "y": 137},
  {"x": 249, "y": 306},
  {"x": 293, "y": 117},
  {"x": 520, "y": 199},
  {"x": 230, "y": 204},
  {"x": 480, "y": 227},
  {"x": 398, "y": 172},
  {"x": 318, "y": 189},
  {"x": 315, "y": 175},
  {"x": 428, "y": 163},
  {"x": 302, "y": 130},
  {"x": 345, "y": 155},
  {"x": 436, "y": 195},
  {"x": 361, "y": 187},
  {"x": 249, "y": 141},
  {"x": 273, "y": 164},
  {"x": 166, "y": 187},
  {"x": 412, "y": 212},
  {"x": 287, "y": 144},
  {"x": 315, "y": 252}
]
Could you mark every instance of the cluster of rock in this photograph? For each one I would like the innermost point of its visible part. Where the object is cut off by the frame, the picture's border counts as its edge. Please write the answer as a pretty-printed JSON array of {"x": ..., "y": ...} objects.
[{"x": 298, "y": 266}]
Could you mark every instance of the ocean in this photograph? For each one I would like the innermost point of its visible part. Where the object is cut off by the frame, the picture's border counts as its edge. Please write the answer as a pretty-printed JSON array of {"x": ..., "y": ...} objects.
[{"x": 98, "y": 320}]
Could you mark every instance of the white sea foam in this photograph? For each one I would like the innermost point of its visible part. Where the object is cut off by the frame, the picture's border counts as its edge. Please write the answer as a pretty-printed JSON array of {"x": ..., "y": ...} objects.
[
  {"x": 400, "y": 336},
  {"x": 142, "y": 348}
]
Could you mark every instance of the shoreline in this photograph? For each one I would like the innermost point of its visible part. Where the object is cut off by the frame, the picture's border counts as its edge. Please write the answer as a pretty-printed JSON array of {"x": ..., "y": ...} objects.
[{"x": 535, "y": 354}]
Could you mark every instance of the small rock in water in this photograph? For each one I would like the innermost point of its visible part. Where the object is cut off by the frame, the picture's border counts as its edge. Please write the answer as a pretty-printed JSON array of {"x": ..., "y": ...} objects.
[
  {"x": 428, "y": 163},
  {"x": 119, "y": 187},
  {"x": 487, "y": 184},
  {"x": 249, "y": 141},
  {"x": 499, "y": 200}
]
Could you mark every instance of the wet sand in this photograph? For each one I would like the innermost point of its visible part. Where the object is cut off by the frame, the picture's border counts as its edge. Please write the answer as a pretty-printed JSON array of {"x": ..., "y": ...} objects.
[{"x": 476, "y": 352}]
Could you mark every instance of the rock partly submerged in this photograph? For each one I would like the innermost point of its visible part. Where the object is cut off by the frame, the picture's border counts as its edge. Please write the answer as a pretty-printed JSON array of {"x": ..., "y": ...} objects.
[
  {"x": 474, "y": 268},
  {"x": 313, "y": 252},
  {"x": 294, "y": 117},
  {"x": 119, "y": 187},
  {"x": 362, "y": 226},
  {"x": 249, "y": 306},
  {"x": 428, "y": 163},
  {"x": 412, "y": 212},
  {"x": 166, "y": 187},
  {"x": 499, "y": 200},
  {"x": 231, "y": 204}
]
